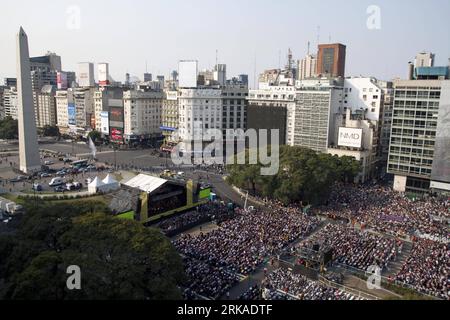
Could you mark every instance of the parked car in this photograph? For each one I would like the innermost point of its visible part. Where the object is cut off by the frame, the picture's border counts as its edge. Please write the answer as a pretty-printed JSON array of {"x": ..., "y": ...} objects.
[
  {"x": 48, "y": 162},
  {"x": 61, "y": 173},
  {"x": 56, "y": 182},
  {"x": 45, "y": 175}
]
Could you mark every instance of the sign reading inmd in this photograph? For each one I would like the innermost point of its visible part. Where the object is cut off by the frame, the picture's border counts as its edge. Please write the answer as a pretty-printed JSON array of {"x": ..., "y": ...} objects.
[{"x": 350, "y": 137}]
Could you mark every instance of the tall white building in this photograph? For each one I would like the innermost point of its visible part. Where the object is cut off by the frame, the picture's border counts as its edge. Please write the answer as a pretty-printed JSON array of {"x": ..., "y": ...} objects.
[
  {"x": 47, "y": 107},
  {"x": 424, "y": 59},
  {"x": 10, "y": 102},
  {"x": 307, "y": 67},
  {"x": 85, "y": 75},
  {"x": 142, "y": 114},
  {"x": 103, "y": 74},
  {"x": 199, "y": 110},
  {"x": 364, "y": 94},
  {"x": 188, "y": 71}
]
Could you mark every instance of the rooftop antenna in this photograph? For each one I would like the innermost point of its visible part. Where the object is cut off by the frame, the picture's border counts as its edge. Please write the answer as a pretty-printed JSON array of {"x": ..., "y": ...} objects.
[
  {"x": 329, "y": 39},
  {"x": 309, "y": 44},
  {"x": 146, "y": 67},
  {"x": 217, "y": 57},
  {"x": 318, "y": 35},
  {"x": 254, "y": 74}
]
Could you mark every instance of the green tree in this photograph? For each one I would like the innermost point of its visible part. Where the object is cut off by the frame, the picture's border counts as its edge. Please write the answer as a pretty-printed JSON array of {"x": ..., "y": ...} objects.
[
  {"x": 50, "y": 131},
  {"x": 119, "y": 259},
  {"x": 95, "y": 135},
  {"x": 9, "y": 128}
]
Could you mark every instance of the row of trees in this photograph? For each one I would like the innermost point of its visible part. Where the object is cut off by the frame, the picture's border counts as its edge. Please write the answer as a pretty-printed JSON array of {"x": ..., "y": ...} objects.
[
  {"x": 304, "y": 176},
  {"x": 119, "y": 259},
  {"x": 9, "y": 129}
]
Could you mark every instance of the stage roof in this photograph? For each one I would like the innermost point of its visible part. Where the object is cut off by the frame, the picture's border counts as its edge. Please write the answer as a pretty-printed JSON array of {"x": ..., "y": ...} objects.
[{"x": 145, "y": 183}]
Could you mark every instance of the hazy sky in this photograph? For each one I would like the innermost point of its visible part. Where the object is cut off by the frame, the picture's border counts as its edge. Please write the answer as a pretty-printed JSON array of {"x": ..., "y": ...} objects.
[{"x": 127, "y": 33}]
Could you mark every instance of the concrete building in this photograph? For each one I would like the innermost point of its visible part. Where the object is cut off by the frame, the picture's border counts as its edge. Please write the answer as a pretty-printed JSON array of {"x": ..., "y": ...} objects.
[
  {"x": 357, "y": 137},
  {"x": 234, "y": 110},
  {"x": 103, "y": 74},
  {"x": 29, "y": 158},
  {"x": 311, "y": 118},
  {"x": 47, "y": 107},
  {"x": 424, "y": 59},
  {"x": 11, "y": 103},
  {"x": 200, "y": 109},
  {"x": 187, "y": 73},
  {"x": 420, "y": 143},
  {"x": 362, "y": 93},
  {"x": 75, "y": 110},
  {"x": 307, "y": 67},
  {"x": 11, "y": 82},
  {"x": 268, "y": 107},
  {"x": 142, "y": 115},
  {"x": 331, "y": 60},
  {"x": 147, "y": 77},
  {"x": 85, "y": 75},
  {"x": 107, "y": 99},
  {"x": 2, "y": 106},
  {"x": 220, "y": 74},
  {"x": 169, "y": 118},
  {"x": 386, "y": 117}
]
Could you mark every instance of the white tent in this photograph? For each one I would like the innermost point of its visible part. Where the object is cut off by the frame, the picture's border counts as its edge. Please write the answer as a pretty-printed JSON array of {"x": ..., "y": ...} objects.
[
  {"x": 110, "y": 183},
  {"x": 96, "y": 185}
]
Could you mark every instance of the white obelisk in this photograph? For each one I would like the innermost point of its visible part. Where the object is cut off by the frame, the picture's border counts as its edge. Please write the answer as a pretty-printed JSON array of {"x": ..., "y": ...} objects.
[{"x": 28, "y": 143}]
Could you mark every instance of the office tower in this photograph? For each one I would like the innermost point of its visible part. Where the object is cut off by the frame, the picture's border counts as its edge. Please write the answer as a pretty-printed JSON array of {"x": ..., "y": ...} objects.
[
  {"x": 85, "y": 75},
  {"x": 220, "y": 74},
  {"x": 331, "y": 60},
  {"x": 103, "y": 74},
  {"x": 147, "y": 77},
  {"x": 234, "y": 110},
  {"x": 243, "y": 79},
  {"x": 169, "y": 118},
  {"x": 424, "y": 59},
  {"x": 311, "y": 119},
  {"x": 47, "y": 106},
  {"x": 267, "y": 109},
  {"x": 10, "y": 103},
  {"x": 187, "y": 73},
  {"x": 142, "y": 115},
  {"x": 28, "y": 144},
  {"x": 11, "y": 82},
  {"x": 107, "y": 99},
  {"x": 307, "y": 67}
]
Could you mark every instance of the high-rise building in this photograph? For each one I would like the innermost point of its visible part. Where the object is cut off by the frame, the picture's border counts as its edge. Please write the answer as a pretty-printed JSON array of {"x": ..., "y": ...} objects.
[
  {"x": 331, "y": 60},
  {"x": 147, "y": 77},
  {"x": 47, "y": 107},
  {"x": 234, "y": 110},
  {"x": 220, "y": 74},
  {"x": 106, "y": 100},
  {"x": 267, "y": 109},
  {"x": 169, "y": 118},
  {"x": 311, "y": 119},
  {"x": 11, "y": 82},
  {"x": 85, "y": 75},
  {"x": 420, "y": 106},
  {"x": 103, "y": 74},
  {"x": 10, "y": 103},
  {"x": 29, "y": 159},
  {"x": 307, "y": 67},
  {"x": 188, "y": 71},
  {"x": 424, "y": 59},
  {"x": 199, "y": 110},
  {"x": 142, "y": 115}
]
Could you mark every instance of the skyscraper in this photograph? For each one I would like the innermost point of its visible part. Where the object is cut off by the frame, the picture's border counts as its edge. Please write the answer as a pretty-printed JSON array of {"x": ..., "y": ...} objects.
[
  {"x": 331, "y": 60},
  {"x": 28, "y": 143}
]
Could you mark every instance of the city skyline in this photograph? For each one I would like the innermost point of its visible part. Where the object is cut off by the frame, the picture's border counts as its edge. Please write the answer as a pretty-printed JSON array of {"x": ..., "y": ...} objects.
[{"x": 196, "y": 35}]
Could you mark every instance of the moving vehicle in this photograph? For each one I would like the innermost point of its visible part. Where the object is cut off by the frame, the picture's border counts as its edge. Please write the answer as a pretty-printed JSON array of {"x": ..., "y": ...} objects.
[
  {"x": 48, "y": 162},
  {"x": 56, "y": 182},
  {"x": 45, "y": 175},
  {"x": 60, "y": 189}
]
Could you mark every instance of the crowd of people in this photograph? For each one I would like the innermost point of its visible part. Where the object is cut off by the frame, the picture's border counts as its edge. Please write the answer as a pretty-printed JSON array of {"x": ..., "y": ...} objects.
[
  {"x": 427, "y": 269},
  {"x": 301, "y": 287},
  {"x": 203, "y": 213},
  {"x": 243, "y": 242},
  {"x": 355, "y": 248},
  {"x": 207, "y": 280},
  {"x": 384, "y": 210}
]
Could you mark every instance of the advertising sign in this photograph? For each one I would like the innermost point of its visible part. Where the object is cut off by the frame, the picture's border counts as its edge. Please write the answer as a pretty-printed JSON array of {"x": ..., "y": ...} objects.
[
  {"x": 72, "y": 114},
  {"x": 350, "y": 137},
  {"x": 61, "y": 80},
  {"x": 116, "y": 134},
  {"x": 104, "y": 122}
]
